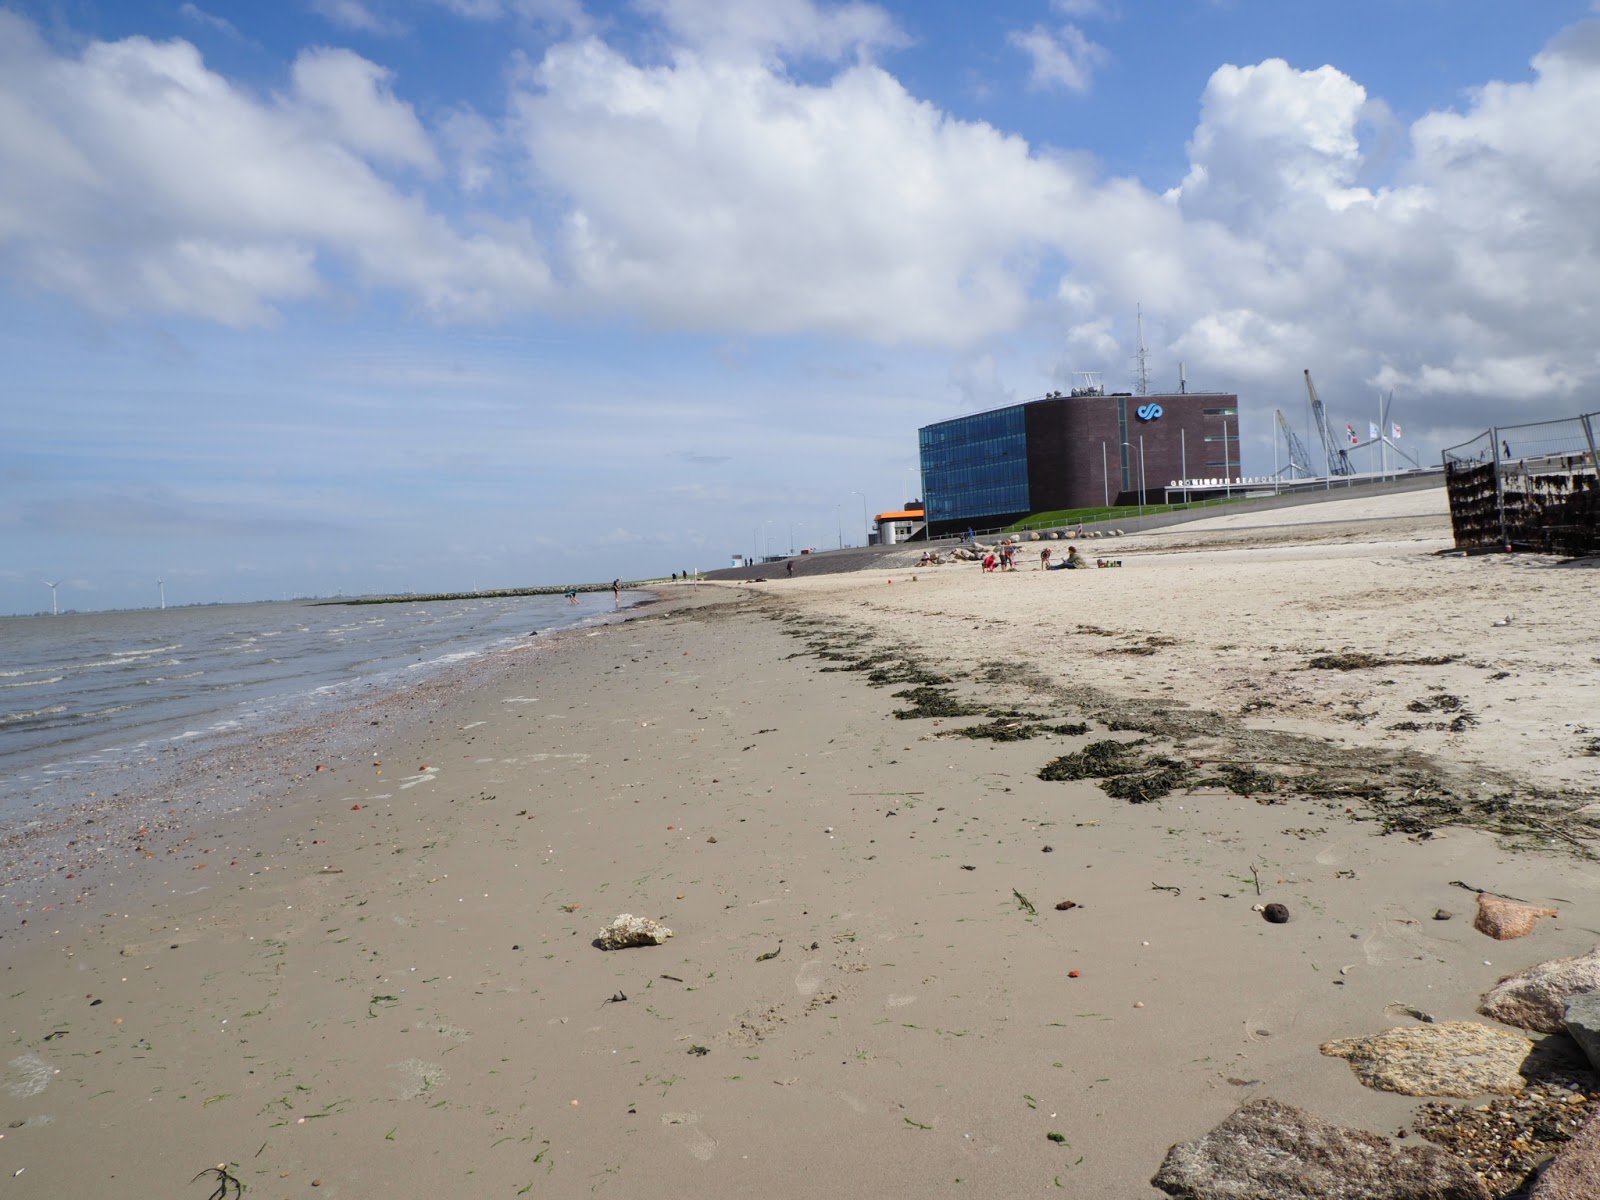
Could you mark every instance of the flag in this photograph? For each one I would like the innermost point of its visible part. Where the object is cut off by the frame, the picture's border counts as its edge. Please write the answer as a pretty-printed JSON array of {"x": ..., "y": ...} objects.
[
  {"x": 1395, "y": 429},
  {"x": 1372, "y": 431},
  {"x": 1350, "y": 430}
]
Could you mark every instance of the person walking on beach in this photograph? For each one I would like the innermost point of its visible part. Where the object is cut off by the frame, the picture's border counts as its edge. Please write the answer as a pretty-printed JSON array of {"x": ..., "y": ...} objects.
[{"x": 789, "y": 568}]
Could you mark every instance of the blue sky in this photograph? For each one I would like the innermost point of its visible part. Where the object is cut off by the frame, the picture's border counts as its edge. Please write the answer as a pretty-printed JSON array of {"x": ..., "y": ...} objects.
[{"x": 375, "y": 295}]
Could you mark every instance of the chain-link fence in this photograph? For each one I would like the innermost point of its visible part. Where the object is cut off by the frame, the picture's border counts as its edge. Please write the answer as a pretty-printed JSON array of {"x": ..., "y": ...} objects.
[{"x": 1527, "y": 487}]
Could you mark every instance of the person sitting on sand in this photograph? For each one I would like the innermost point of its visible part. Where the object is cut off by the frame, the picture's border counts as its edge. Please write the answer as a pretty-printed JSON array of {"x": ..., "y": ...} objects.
[
  {"x": 1074, "y": 559},
  {"x": 989, "y": 561}
]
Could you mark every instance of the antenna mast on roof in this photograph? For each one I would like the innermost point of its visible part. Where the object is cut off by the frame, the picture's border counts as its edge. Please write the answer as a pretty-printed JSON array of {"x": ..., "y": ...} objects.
[{"x": 1141, "y": 368}]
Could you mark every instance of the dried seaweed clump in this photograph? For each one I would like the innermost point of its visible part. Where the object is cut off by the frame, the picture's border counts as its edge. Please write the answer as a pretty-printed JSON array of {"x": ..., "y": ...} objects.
[
  {"x": 1098, "y": 760},
  {"x": 1242, "y": 779},
  {"x": 927, "y": 701},
  {"x": 1155, "y": 778}
]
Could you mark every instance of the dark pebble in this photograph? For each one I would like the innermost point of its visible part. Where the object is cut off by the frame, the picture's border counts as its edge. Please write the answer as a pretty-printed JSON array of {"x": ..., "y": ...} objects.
[
  {"x": 1443, "y": 914},
  {"x": 1048, "y": 850},
  {"x": 1276, "y": 913}
]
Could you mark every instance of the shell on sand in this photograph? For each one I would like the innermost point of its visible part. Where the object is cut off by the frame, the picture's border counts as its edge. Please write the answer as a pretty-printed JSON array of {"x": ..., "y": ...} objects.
[
  {"x": 1503, "y": 919},
  {"x": 1454, "y": 1058}
]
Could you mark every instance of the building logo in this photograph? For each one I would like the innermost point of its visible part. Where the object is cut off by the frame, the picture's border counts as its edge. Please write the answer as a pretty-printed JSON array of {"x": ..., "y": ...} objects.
[{"x": 1149, "y": 412}]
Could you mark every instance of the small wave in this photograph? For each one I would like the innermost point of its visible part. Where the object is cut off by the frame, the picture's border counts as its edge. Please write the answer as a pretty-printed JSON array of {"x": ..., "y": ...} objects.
[
  {"x": 122, "y": 656},
  {"x": 32, "y": 682},
  {"x": 444, "y": 660},
  {"x": 55, "y": 710}
]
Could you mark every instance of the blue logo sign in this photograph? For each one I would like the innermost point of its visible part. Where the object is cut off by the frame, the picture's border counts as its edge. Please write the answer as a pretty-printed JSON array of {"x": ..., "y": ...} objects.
[{"x": 1149, "y": 412}]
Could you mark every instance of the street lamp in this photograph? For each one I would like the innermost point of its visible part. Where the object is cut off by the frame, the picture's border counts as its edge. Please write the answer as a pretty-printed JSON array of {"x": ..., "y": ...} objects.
[
  {"x": 792, "y": 524},
  {"x": 866, "y": 525}
]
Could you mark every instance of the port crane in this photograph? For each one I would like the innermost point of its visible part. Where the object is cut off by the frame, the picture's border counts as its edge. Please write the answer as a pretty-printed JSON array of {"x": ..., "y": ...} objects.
[
  {"x": 1299, "y": 456},
  {"x": 1338, "y": 460}
]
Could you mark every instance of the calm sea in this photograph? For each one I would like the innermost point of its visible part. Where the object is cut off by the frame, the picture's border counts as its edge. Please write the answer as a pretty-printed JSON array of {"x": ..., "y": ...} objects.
[{"x": 84, "y": 697}]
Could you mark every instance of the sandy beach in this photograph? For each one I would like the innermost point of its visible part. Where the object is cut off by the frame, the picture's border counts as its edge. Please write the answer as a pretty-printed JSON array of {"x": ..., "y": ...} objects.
[{"x": 383, "y": 981}]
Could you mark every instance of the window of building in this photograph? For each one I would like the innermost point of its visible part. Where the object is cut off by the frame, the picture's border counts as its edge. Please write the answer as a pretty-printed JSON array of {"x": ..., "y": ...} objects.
[{"x": 975, "y": 466}]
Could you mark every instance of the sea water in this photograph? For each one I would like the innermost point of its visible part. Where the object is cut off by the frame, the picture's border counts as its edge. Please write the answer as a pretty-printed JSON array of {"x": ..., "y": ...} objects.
[{"x": 84, "y": 697}]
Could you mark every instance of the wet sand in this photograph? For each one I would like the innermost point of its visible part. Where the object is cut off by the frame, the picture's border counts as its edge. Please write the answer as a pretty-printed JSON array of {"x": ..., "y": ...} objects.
[{"x": 384, "y": 983}]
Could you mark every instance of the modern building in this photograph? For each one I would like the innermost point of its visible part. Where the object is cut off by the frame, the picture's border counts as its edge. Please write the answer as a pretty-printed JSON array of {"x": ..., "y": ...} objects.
[
  {"x": 1082, "y": 450},
  {"x": 902, "y": 525}
]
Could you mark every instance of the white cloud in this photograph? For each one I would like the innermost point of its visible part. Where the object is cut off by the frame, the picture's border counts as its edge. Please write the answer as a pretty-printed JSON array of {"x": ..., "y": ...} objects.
[
  {"x": 778, "y": 27},
  {"x": 711, "y": 190},
  {"x": 712, "y": 194},
  {"x": 357, "y": 15},
  {"x": 1065, "y": 58},
  {"x": 199, "y": 16},
  {"x": 562, "y": 13},
  {"x": 133, "y": 178},
  {"x": 1084, "y": 9},
  {"x": 350, "y": 98}
]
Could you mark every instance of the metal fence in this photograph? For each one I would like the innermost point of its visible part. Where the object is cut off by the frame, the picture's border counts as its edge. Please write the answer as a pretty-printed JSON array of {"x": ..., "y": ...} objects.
[{"x": 1527, "y": 487}]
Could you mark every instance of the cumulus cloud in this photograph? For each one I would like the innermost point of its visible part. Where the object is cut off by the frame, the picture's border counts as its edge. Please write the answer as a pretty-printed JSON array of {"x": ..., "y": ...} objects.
[
  {"x": 710, "y": 193},
  {"x": 134, "y": 178},
  {"x": 1063, "y": 58},
  {"x": 710, "y": 187}
]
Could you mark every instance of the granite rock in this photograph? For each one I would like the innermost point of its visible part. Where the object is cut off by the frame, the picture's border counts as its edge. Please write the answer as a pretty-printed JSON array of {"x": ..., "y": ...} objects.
[
  {"x": 1537, "y": 998},
  {"x": 1453, "y": 1058},
  {"x": 1504, "y": 919},
  {"x": 1575, "y": 1174},
  {"x": 1272, "y": 1151},
  {"x": 1582, "y": 1019}
]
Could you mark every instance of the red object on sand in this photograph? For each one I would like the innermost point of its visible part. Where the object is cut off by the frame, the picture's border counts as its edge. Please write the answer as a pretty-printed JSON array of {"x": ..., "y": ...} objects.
[{"x": 1073, "y": 974}]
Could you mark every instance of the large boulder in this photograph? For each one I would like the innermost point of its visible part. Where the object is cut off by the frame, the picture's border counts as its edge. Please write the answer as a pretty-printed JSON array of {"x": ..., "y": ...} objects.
[
  {"x": 1454, "y": 1058},
  {"x": 1575, "y": 1174},
  {"x": 1537, "y": 998},
  {"x": 1504, "y": 919},
  {"x": 1272, "y": 1151}
]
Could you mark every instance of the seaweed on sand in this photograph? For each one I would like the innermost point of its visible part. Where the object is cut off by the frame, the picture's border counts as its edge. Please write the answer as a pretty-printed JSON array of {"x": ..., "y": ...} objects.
[
  {"x": 929, "y": 701},
  {"x": 1360, "y": 660},
  {"x": 1155, "y": 778},
  {"x": 1243, "y": 779},
  {"x": 1015, "y": 727},
  {"x": 1098, "y": 760}
]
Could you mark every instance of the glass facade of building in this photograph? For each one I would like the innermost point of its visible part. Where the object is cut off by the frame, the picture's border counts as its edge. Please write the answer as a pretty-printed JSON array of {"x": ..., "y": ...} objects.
[{"x": 975, "y": 466}]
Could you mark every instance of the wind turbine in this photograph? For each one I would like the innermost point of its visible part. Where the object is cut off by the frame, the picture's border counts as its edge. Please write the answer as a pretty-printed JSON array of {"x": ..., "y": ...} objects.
[
  {"x": 54, "y": 611},
  {"x": 161, "y": 586}
]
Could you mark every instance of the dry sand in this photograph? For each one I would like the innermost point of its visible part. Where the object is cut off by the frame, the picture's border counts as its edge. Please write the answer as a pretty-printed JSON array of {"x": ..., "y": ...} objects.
[{"x": 384, "y": 983}]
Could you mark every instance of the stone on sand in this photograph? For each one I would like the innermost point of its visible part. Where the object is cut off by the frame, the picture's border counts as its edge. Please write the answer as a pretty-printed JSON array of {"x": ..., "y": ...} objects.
[
  {"x": 1575, "y": 1174},
  {"x": 1454, "y": 1058},
  {"x": 1537, "y": 998},
  {"x": 1272, "y": 1151},
  {"x": 629, "y": 930},
  {"x": 1504, "y": 919}
]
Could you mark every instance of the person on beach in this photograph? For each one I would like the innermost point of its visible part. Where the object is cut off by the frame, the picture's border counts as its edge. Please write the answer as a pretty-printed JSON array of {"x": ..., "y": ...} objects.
[
  {"x": 616, "y": 593},
  {"x": 1044, "y": 559},
  {"x": 989, "y": 561},
  {"x": 572, "y": 595},
  {"x": 789, "y": 568}
]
